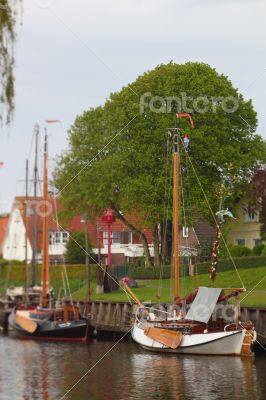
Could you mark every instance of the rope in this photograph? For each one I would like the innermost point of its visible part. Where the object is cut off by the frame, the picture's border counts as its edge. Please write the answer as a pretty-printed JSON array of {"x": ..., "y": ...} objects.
[
  {"x": 63, "y": 257},
  {"x": 214, "y": 218}
]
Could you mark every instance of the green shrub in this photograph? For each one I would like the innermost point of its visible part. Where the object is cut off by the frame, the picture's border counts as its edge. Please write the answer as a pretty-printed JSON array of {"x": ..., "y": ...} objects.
[
  {"x": 201, "y": 268},
  {"x": 263, "y": 253},
  {"x": 14, "y": 275},
  {"x": 257, "y": 249},
  {"x": 240, "y": 251}
]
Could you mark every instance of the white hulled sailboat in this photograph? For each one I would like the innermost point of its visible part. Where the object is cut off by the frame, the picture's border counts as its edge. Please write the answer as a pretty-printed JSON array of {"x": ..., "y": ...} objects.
[{"x": 204, "y": 328}]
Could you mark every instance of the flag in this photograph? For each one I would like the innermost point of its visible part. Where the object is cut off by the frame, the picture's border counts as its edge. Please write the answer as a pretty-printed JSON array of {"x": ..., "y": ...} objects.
[{"x": 186, "y": 142}]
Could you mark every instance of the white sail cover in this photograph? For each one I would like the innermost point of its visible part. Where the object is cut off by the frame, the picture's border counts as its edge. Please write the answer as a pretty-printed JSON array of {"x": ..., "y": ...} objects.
[{"x": 203, "y": 305}]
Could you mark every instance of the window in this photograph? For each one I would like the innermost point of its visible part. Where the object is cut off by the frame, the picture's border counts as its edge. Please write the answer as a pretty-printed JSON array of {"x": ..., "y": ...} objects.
[
  {"x": 251, "y": 214},
  {"x": 185, "y": 232},
  {"x": 65, "y": 237},
  {"x": 130, "y": 237},
  {"x": 51, "y": 238},
  {"x": 240, "y": 242},
  {"x": 116, "y": 238},
  {"x": 257, "y": 241},
  {"x": 58, "y": 237}
]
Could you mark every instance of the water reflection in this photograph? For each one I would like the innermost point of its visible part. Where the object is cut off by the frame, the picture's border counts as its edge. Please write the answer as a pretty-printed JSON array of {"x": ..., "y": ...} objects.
[{"x": 44, "y": 371}]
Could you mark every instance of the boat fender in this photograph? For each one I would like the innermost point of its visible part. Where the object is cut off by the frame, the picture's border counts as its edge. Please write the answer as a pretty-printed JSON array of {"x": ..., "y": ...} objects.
[{"x": 151, "y": 316}]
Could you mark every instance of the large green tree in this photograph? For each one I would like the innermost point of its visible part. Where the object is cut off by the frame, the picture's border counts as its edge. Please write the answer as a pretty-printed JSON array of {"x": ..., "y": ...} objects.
[
  {"x": 75, "y": 248},
  {"x": 119, "y": 155},
  {"x": 8, "y": 17}
]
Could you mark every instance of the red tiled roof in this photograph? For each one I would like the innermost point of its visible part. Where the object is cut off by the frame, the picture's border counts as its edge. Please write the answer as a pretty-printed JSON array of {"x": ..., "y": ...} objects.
[
  {"x": 3, "y": 227},
  {"x": 75, "y": 223},
  {"x": 28, "y": 219}
]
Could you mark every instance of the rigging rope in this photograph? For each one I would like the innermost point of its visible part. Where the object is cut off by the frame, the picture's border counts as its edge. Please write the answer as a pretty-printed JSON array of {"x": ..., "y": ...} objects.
[{"x": 214, "y": 218}]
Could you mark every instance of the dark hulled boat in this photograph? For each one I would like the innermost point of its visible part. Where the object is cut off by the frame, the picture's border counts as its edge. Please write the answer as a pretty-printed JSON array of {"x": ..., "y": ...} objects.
[
  {"x": 59, "y": 323},
  {"x": 51, "y": 324}
]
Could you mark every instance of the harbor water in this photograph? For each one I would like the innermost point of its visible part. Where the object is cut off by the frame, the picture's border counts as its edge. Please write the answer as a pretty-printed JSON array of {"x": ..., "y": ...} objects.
[{"x": 109, "y": 370}]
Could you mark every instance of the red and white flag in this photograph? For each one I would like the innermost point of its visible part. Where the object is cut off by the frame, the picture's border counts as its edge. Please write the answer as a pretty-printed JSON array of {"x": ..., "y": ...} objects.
[{"x": 52, "y": 121}]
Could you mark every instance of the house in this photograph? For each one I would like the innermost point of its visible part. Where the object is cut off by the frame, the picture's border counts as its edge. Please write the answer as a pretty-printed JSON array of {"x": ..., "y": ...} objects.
[
  {"x": 126, "y": 246},
  {"x": 19, "y": 237},
  {"x": 20, "y": 233},
  {"x": 197, "y": 241},
  {"x": 3, "y": 226},
  {"x": 250, "y": 213},
  {"x": 245, "y": 230}
]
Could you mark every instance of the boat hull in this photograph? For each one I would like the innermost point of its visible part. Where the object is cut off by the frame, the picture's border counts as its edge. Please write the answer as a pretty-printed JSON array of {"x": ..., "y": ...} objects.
[
  {"x": 51, "y": 330},
  {"x": 220, "y": 343}
]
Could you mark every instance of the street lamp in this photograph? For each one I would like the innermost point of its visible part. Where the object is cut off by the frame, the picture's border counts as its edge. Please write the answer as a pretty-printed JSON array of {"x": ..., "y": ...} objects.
[
  {"x": 108, "y": 219},
  {"x": 86, "y": 235}
]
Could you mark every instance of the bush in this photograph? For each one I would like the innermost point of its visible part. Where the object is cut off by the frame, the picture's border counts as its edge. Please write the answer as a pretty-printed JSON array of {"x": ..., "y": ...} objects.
[
  {"x": 76, "y": 273},
  {"x": 257, "y": 249},
  {"x": 240, "y": 251},
  {"x": 263, "y": 253},
  {"x": 201, "y": 268},
  {"x": 74, "y": 249}
]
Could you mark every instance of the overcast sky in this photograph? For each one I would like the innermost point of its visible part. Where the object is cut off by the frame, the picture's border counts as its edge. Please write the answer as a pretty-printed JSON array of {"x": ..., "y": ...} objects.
[{"x": 71, "y": 54}]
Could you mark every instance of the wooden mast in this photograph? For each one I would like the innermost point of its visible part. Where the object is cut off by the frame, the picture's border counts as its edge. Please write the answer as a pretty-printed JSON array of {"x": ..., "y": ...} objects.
[
  {"x": 175, "y": 219},
  {"x": 45, "y": 262},
  {"x": 175, "y": 208}
]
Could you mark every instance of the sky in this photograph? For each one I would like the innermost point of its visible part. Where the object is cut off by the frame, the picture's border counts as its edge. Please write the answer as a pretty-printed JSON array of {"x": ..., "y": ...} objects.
[{"x": 70, "y": 55}]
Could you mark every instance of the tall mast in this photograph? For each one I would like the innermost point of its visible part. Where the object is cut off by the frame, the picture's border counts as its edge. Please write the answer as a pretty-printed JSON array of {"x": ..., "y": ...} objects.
[
  {"x": 45, "y": 261},
  {"x": 35, "y": 217},
  {"x": 26, "y": 225},
  {"x": 176, "y": 210}
]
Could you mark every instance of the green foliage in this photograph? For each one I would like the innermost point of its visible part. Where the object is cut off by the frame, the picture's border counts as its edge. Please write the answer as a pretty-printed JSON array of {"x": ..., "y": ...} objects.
[
  {"x": 14, "y": 275},
  {"x": 257, "y": 249},
  {"x": 75, "y": 248},
  {"x": 201, "y": 268},
  {"x": 240, "y": 251},
  {"x": 8, "y": 16},
  {"x": 263, "y": 251},
  {"x": 123, "y": 156}
]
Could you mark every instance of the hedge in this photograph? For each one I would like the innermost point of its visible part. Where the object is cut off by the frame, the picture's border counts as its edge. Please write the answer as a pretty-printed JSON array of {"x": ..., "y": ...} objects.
[
  {"x": 14, "y": 275},
  {"x": 202, "y": 268}
]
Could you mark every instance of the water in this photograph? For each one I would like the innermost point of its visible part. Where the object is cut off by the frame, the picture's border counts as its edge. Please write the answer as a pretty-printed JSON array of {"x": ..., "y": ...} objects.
[{"x": 32, "y": 370}]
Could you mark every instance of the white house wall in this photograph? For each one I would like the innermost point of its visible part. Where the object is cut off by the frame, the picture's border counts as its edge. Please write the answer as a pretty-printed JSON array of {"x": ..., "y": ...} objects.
[{"x": 14, "y": 242}]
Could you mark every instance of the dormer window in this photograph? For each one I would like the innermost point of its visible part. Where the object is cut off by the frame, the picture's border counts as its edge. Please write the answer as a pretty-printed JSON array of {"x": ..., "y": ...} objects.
[{"x": 251, "y": 214}]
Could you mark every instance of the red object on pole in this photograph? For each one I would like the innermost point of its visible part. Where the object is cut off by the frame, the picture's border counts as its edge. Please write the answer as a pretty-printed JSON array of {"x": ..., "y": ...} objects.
[{"x": 108, "y": 218}]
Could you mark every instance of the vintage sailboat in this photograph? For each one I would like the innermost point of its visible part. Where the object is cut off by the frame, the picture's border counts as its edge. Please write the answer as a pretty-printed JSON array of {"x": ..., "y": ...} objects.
[
  {"x": 200, "y": 322},
  {"x": 48, "y": 323}
]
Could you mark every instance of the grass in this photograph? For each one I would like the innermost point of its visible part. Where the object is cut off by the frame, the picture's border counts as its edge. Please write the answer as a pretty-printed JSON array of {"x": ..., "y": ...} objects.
[{"x": 155, "y": 290}]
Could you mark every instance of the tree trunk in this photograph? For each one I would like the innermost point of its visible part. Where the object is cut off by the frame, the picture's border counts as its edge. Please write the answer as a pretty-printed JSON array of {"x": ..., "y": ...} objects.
[
  {"x": 136, "y": 231},
  {"x": 156, "y": 246}
]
